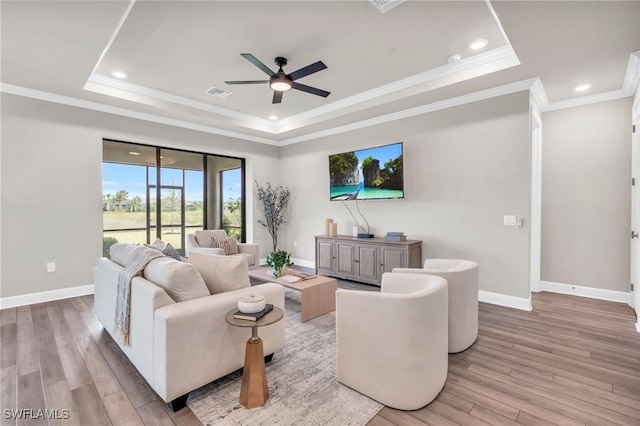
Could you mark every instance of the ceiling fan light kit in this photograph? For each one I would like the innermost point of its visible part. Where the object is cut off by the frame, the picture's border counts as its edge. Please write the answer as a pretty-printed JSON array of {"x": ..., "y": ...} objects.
[{"x": 280, "y": 81}]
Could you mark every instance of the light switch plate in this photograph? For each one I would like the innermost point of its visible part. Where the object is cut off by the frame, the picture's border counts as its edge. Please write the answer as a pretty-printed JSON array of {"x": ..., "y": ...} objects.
[{"x": 509, "y": 220}]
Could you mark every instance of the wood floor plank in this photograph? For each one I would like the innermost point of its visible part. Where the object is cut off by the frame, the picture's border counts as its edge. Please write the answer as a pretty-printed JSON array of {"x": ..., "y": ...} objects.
[
  {"x": 187, "y": 418},
  {"x": 8, "y": 345},
  {"x": 491, "y": 417},
  {"x": 380, "y": 421},
  {"x": 49, "y": 360},
  {"x": 58, "y": 324},
  {"x": 91, "y": 411},
  {"x": 30, "y": 397},
  {"x": 397, "y": 417},
  {"x": 555, "y": 399},
  {"x": 153, "y": 414},
  {"x": 23, "y": 316},
  {"x": 483, "y": 399},
  {"x": 512, "y": 397},
  {"x": 41, "y": 323},
  {"x": 74, "y": 369},
  {"x": 605, "y": 405},
  {"x": 569, "y": 361},
  {"x": 58, "y": 397},
  {"x": 8, "y": 316},
  {"x": 120, "y": 409},
  {"x": 451, "y": 413},
  {"x": 26, "y": 351},
  {"x": 8, "y": 395},
  {"x": 103, "y": 378}
]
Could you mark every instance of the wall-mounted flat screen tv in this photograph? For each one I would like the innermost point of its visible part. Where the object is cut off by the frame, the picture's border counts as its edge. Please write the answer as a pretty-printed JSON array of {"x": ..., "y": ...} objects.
[{"x": 367, "y": 174}]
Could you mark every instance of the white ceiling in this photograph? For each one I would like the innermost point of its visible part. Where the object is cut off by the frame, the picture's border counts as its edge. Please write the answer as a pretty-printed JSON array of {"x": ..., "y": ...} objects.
[{"x": 380, "y": 66}]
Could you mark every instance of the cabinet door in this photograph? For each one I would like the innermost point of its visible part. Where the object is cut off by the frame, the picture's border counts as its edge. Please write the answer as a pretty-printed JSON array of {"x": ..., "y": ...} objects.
[
  {"x": 346, "y": 259},
  {"x": 368, "y": 264},
  {"x": 325, "y": 256},
  {"x": 393, "y": 257}
]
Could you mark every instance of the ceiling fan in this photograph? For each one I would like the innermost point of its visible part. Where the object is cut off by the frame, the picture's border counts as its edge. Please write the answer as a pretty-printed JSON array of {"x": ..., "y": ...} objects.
[{"x": 280, "y": 82}]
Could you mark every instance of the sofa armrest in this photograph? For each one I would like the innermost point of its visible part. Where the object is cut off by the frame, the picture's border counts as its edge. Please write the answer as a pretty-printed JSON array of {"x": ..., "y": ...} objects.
[
  {"x": 253, "y": 249},
  {"x": 193, "y": 344}
]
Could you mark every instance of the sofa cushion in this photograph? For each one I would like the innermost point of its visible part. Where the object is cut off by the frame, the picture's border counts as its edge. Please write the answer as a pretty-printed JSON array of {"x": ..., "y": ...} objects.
[
  {"x": 204, "y": 237},
  {"x": 181, "y": 281},
  {"x": 124, "y": 253},
  {"x": 221, "y": 273}
]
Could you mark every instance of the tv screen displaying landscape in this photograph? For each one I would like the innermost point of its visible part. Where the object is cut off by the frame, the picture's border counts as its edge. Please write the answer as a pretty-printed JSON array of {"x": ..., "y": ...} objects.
[{"x": 367, "y": 174}]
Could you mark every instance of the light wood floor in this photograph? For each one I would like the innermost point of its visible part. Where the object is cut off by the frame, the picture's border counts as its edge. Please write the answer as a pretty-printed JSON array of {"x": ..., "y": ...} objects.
[{"x": 571, "y": 361}]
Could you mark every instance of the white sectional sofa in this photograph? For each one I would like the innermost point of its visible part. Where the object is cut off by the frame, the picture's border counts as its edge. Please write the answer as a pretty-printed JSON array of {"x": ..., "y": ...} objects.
[{"x": 178, "y": 338}]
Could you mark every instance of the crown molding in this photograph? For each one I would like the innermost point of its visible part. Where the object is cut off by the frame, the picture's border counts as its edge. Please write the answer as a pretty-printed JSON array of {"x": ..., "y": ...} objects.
[
  {"x": 535, "y": 86},
  {"x": 445, "y": 72},
  {"x": 253, "y": 122},
  {"x": 423, "y": 109},
  {"x": 95, "y": 106}
]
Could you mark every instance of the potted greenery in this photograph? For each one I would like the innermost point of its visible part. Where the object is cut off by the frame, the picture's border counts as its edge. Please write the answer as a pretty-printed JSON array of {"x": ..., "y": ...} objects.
[{"x": 277, "y": 260}]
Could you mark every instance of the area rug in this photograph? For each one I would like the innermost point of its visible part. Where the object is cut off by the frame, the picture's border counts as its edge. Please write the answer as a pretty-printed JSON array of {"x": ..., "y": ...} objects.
[{"x": 303, "y": 389}]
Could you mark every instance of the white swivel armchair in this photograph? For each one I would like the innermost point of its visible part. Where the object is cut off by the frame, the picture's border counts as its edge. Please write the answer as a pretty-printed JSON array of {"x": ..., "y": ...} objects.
[
  {"x": 392, "y": 345},
  {"x": 462, "y": 279},
  {"x": 200, "y": 242}
]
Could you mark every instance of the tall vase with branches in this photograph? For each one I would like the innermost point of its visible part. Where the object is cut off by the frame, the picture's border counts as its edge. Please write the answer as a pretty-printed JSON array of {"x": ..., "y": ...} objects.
[{"x": 273, "y": 202}]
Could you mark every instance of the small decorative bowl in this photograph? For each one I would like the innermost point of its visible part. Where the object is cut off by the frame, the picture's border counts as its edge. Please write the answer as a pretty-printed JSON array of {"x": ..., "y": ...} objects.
[{"x": 251, "y": 303}]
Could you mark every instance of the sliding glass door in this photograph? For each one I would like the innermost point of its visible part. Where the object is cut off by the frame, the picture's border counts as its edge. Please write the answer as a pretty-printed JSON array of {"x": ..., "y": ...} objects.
[{"x": 151, "y": 192}]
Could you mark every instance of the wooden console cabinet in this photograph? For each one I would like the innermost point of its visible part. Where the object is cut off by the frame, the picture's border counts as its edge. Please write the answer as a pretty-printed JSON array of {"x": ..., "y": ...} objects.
[{"x": 364, "y": 259}]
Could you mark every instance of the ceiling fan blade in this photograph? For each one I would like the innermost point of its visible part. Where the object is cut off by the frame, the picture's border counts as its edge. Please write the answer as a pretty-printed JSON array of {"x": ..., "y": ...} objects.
[
  {"x": 249, "y": 57},
  {"x": 309, "y": 69},
  {"x": 309, "y": 89},
  {"x": 277, "y": 97},
  {"x": 248, "y": 82}
]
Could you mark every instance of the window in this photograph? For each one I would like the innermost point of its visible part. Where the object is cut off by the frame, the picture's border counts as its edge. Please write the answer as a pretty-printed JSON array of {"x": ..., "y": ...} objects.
[{"x": 150, "y": 192}]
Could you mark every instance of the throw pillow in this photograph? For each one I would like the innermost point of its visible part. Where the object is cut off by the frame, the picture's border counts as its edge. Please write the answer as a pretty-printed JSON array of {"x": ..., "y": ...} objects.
[
  {"x": 180, "y": 280},
  {"x": 171, "y": 252},
  {"x": 158, "y": 244},
  {"x": 221, "y": 273},
  {"x": 213, "y": 243},
  {"x": 231, "y": 246},
  {"x": 124, "y": 253}
]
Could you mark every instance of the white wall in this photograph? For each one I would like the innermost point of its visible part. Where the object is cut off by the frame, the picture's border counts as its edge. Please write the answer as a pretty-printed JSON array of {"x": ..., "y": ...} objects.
[
  {"x": 464, "y": 168},
  {"x": 52, "y": 187},
  {"x": 586, "y": 203}
]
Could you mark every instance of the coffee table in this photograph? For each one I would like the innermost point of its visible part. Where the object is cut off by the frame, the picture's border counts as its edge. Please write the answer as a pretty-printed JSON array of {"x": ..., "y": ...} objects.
[
  {"x": 317, "y": 295},
  {"x": 254, "y": 391}
]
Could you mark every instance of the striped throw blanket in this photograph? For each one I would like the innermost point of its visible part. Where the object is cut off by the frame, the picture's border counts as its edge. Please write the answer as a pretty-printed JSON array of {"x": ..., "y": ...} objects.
[{"x": 123, "y": 302}]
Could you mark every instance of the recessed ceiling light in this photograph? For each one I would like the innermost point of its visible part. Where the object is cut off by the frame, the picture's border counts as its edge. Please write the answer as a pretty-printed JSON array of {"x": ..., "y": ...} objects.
[
  {"x": 582, "y": 87},
  {"x": 478, "y": 44},
  {"x": 134, "y": 153},
  {"x": 273, "y": 117},
  {"x": 118, "y": 74},
  {"x": 454, "y": 58}
]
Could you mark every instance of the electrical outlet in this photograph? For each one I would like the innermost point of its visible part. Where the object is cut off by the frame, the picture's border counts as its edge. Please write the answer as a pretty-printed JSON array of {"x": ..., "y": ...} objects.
[
  {"x": 51, "y": 266},
  {"x": 509, "y": 220},
  {"x": 295, "y": 244}
]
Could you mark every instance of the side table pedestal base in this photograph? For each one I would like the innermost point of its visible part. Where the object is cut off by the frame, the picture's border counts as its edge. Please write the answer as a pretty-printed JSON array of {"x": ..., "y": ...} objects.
[{"x": 254, "y": 392}]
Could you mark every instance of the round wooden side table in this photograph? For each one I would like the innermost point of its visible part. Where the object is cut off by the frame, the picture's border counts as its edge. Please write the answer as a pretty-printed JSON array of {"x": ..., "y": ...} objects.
[{"x": 254, "y": 392}]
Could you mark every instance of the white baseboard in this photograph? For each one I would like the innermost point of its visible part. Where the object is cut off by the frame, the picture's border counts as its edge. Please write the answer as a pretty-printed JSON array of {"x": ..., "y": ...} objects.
[
  {"x": 296, "y": 261},
  {"x": 590, "y": 292},
  {"x": 638, "y": 326},
  {"x": 304, "y": 263},
  {"x": 45, "y": 296},
  {"x": 521, "y": 303}
]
